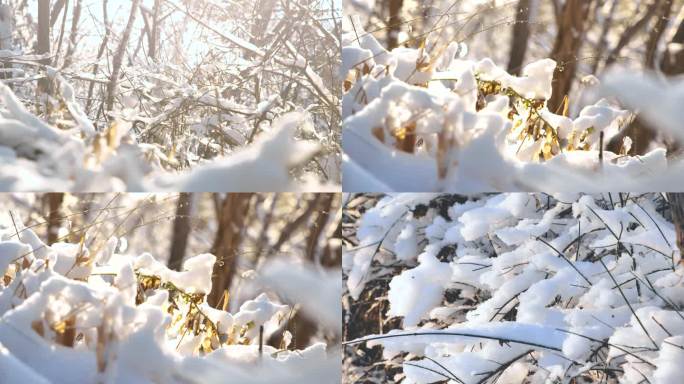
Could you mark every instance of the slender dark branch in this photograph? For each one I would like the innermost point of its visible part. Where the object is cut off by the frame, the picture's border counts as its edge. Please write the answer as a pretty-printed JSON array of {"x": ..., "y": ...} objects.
[
  {"x": 461, "y": 334},
  {"x": 502, "y": 367},
  {"x": 566, "y": 259},
  {"x": 608, "y": 344},
  {"x": 628, "y": 304}
]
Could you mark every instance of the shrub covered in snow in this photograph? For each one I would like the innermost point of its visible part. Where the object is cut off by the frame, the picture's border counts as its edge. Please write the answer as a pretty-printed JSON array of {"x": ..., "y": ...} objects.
[
  {"x": 38, "y": 156},
  {"x": 429, "y": 119},
  {"x": 515, "y": 288},
  {"x": 169, "y": 95},
  {"x": 74, "y": 314}
]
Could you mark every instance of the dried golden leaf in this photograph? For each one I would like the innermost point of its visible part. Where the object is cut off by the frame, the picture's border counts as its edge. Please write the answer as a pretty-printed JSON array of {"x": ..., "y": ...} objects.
[
  {"x": 206, "y": 344},
  {"x": 97, "y": 147},
  {"x": 59, "y": 327},
  {"x": 67, "y": 336},
  {"x": 406, "y": 137},
  {"x": 366, "y": 69},
  {"x": 546, "y": 151},
  {"x": 112, "y": 134},
  {"x": 226, "y": 300},
  {"x": 423, "y": 65},
  {"x": 172, "y": 153},
  {"x": 100, "y": 349}
]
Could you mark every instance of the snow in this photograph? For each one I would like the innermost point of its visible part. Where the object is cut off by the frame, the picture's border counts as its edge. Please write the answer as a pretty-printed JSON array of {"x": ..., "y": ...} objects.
[
  {"x": 265, "y": 167},
  {"x": 13, "y": 371},
  {"x": 69, "y": 316},
  {"x": 535, "y": 82},
  {"x": 195, "y": 120},
  {"x": 518, "y": 284},
  {"x": 414, "y": 292},
  {"x": 669, "y": 361},
  {"x": 659, "y": 101},
  {"x": 526, "y": 334},
  {"x": 406, "y": 245},
  {"x": 118, "y": 164},
  {"x": 478, "y": 128},
  {"x": 12, "y": 251},
  {"x": 294, "y": 280},
  {"x": 195, "y": 276}
]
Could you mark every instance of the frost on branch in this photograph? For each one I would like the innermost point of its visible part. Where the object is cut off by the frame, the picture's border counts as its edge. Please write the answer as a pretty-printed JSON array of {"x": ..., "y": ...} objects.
[
  {"x": 425, "y": 119},
  {"x": 514, "y": 288}
]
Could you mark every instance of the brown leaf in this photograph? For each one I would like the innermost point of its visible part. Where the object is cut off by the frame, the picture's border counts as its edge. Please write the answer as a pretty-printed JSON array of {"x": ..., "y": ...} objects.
[
  {"x": 379, "y": 133},
  {"x": 100, "y": 349},
  {"x": 37, "y": 326},
  {"x": 406, "y": 138},
  {"x": 66, "y": 331}
]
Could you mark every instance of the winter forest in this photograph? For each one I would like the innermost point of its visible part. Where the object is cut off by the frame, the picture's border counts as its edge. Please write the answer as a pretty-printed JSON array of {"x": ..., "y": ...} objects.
[
  {"x": 169, "y": 288},
  {"x": 480, "y": 95},
  {"x": 169, "y": 95}
]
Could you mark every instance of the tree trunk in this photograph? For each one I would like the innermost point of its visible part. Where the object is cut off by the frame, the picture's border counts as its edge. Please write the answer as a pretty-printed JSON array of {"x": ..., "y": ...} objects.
[
  {"x": 231, "y": 217},
  {"x": 100, "y": 52},
  {"x": 565, "y": 50},
  {"x": 43, "y": 27},
  {"x": 521, "y": 35},
  {"x": 75, "y": 18},
  {"x": 263, "y": 239},
  {"x": 181, "y": 231},
  {"x": 324, "y": 207},
  {"x": 62, "y": 29},
  {"x": 54, "y": 204},
  {"x": 43, "y": 45},
  {"x": 629, "y": 33},
  {"x": 603, "y": 40},
  {"x": 6, "y": 31},
  {"x": 676, "y": 201},
  {"x": 332, "y": 252},
  {"x": 641, "y": 133},
  {"x": 673, "y": 60},
  {"x": 293, "y": 226},
  {"x": 154, "y": 39},
  {"x": 118, "y": 57},
  {"x": 656, "y": 34},
  {"x": 320, "y": 250},
  {"x": 6, "y": 26},
  {"x": 394, "y": 24}
]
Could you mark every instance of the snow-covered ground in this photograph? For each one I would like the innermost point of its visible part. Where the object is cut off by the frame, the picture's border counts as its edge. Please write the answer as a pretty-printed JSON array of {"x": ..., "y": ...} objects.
[{"x": 513, "y": 288}]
